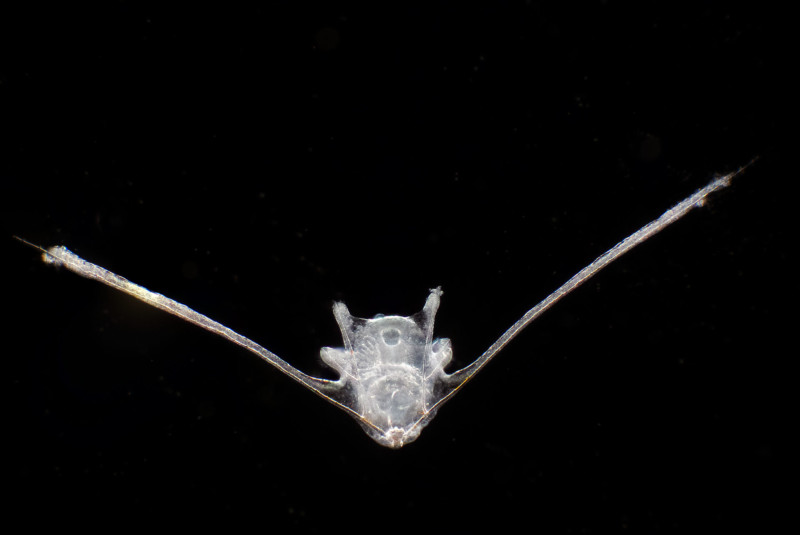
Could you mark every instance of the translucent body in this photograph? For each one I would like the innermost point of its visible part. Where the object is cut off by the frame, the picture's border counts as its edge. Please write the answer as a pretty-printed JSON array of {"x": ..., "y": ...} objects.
[{"x": 391, "y": 371}]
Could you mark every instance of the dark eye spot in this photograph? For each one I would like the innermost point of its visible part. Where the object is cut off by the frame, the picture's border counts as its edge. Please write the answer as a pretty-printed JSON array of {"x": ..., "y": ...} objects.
[{"x": 391, "y": 337}]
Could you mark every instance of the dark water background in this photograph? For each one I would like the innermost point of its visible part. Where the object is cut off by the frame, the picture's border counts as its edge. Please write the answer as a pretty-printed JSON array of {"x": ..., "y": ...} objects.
[{"x": 258, "y": 163}]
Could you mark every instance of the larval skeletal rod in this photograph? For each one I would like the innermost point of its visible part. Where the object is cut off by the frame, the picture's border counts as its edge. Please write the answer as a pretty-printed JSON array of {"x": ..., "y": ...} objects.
[{"x": 391, "y": 369}]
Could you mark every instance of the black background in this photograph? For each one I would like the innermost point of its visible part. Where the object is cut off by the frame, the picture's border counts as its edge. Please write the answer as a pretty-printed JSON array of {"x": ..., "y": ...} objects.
[{"x": 259, "y": 162}]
